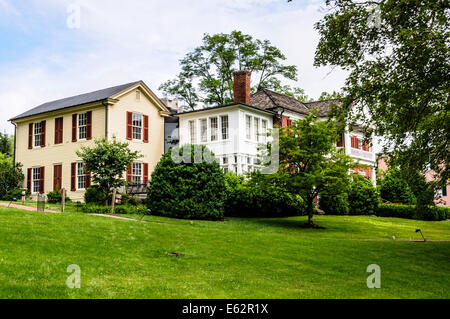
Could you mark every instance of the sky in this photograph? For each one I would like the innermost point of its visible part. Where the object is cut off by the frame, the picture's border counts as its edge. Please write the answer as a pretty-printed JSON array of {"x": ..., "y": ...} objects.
[{"x": 47, "y": 53}]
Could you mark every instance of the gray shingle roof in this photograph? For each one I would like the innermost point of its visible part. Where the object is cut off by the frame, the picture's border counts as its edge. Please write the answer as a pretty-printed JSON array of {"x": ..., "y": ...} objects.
[
  {"x": 324, "y": 107},
  {"x": 268, "y": 99},
  {"x": 77, "y": 100}
]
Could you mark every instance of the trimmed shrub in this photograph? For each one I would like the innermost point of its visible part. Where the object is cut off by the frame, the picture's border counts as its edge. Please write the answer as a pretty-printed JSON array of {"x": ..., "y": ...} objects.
[
  {"x": 96, "y": 209},
  {"x": 255, "y": 198},
  {"x": 15, "y": 193},
  {"x": 131, "y": 200},
  {"x": 55, "y": 197},
  {"x": 95, "y": 195},
  {"x": 130, "y": 209},
  {"x": 433, "y": 213},
  {"x": 396, "y": 190},
  {"x": 334, "y": 204},
  {"x": 187, "y": 190},
  {"x": 363, "y": 197}
]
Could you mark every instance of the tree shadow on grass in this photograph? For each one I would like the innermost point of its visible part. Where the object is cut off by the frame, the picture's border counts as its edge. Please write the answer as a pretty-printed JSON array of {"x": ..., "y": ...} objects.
[{"x": 287, "y": 223}]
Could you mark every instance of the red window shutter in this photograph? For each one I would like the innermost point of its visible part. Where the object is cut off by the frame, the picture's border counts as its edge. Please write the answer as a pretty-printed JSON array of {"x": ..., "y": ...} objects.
[
  {"x": 129, "y": 125},
  {"x": 366, "y": 146},
  {"x": 59, "y": 130},
  {"x": 73, "y": 177},
  {"x": 89, "y": 125},
  {"x": 56, "y": 131},
  {"x": 145, "y": 128},
  {"x": 29, "y": 179},
  {"x": 145, "y": 173},
  {"x": 30, "y": 136},
  {"x": 42, "y": 180},
  {"x": 43, "y": 125},
  {"x": 88, "y": 179},
  {"x": 129, "y": 174},
  {"x": 74, "y": 127},
  {"x": 57, "y": 177}
]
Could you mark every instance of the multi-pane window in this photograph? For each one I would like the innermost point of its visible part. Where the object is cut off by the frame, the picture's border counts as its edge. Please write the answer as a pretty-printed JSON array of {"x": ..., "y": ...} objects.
[
  {"x": 203, "y": 130},
  {"x": 192, "y": 132},
  {"x": 137, "y": 126},
  {"x": 248, "y": 126},
  {"x": 82, "y": 121},
  {"x": 213, "y": 128},
  {"x": 224, "y": 124},
  {"x": 256, "y": 129},
  {"x": 36, "y": 179},
  {"x": 37, "y": 134},
  {"x": 137, "y": 173},
  {"x": 81, "y": 176},
  {"x": 264, "y": 130},
  {"x": 225, "y": 160}
]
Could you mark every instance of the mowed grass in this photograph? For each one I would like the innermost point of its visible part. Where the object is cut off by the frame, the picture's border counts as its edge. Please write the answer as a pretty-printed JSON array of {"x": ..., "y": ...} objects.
[{"x": 238, "y": 258}]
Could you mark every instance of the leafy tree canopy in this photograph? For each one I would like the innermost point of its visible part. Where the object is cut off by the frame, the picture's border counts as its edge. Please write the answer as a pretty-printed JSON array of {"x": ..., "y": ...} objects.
[
  {"x": 397, "y": 55},
  {"x": 107, "y": 161},
  {"x": 309, "y": 160},
  {"x": 206, "y": 74},
  {"x": 6, "y": 143}
]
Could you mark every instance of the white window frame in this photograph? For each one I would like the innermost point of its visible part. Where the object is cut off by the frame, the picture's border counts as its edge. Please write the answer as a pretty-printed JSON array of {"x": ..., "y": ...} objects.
[
  {"x": 224, "y": 129},
  {"x": 82, "y": 126},
  {"x": 36, "y": 180},
  {"x": 256, "y": 128},
  {"x": 214, "y": 129},
  {"x": 37, "y": 134},
  {"x": 192, "y": 131},
  {"x": 203, "y": 130},
  {"x": 264, "y": 130},
  {"x": 136, "y": 173},
  {"x": 136, "y": 126},
  {"x": 248, "y": 127},
  {"x": 81, "y": 177}
]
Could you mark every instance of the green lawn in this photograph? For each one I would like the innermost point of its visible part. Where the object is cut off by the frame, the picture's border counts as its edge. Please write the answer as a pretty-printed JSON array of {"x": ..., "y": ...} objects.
[{"x": 239, "y": 258}]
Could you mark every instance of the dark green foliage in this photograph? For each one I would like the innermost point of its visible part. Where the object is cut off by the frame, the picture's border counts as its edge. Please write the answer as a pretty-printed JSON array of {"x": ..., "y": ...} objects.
[
  {"x": 363, "y": 197},
  {"x": 187, "y": 190},
  {"x": 11, "y": 177},
  {"x": 130, "y": 209},
  {"x": 334, "y": 204},
  {"x": 96, "y": 209},
  {"x": 6, "y": 144},
  {"x": 397, "y": 57},
  {"x": 396, "y": 190},
  {"x": 433, "y": 213},
  {"x": 55, "y": 197},
  {"x": 95, "y": 195},
  {"x": 254, "y": 198},
  {"x": 15, "y": 193},
  {"x": 132, "y": 200}
]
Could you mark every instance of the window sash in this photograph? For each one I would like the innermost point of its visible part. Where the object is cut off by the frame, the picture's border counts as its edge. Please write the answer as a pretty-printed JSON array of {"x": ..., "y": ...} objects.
[
  {"x": 248, "y": 126},
  {"x": 203, "y": 130},
  {"x": 136, "y": 173},
  {"x": 264, "y": 130},
  {"x": 224, "y": 124},
  {"x": 81, "y": 176},
  {"x": 82, "y": 123},
  {"x": 137, "y": 126},
  {"x": 192, "y": 132},
  {"x": 36, "y": 179},
  {"x": 256, "y": 128},
  {"x": 213, "y": 128},
  {"x": 37, "y": 134}
]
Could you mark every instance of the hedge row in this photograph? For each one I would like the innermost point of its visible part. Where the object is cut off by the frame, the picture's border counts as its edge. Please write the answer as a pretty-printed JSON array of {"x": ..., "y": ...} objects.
[
  {"x": 119, "y": 209},
  {"x": 433, "y": 213}
]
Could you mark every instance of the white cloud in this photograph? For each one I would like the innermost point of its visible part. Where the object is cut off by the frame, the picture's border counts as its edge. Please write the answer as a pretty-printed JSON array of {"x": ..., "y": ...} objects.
[{"x": 120, "y": 42}]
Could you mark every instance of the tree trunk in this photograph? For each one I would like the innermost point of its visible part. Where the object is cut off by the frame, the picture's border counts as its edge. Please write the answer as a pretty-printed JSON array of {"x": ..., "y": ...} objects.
[{"x": 310, "y": 211}]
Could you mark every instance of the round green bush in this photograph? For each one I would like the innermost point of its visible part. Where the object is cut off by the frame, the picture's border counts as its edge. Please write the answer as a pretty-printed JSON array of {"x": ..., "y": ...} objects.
[
  {"x": 95, "y": 195},
  {"x": 334, "y": 204},
  {"x": 363, "y": 197},
  {"x": 192, "y": 189},
  {"x": 15, "y": 193},
  {"x": 256, "y": 198},
  {"x": 396, "y": 190}
]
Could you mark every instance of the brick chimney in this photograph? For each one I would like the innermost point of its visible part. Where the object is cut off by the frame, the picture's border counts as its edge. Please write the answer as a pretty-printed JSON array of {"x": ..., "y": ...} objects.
[{"x": 242, "y": 86}]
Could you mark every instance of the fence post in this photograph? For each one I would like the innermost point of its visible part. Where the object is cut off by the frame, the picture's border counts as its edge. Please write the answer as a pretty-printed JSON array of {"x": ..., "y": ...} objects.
[{"x": 63, "y": 200}]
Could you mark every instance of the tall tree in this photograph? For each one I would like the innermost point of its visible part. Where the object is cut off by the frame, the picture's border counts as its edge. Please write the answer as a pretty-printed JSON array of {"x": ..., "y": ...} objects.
[
  {"x": 107, "y": 161},
  {"x": 6, "y": 144},
  {"x": 309, "y": 160},
  {"x": 397, "y": 55},
  {"x": 206, "y": 74}
]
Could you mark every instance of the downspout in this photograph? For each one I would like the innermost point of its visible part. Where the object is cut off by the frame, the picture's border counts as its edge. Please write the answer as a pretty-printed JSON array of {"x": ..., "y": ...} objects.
[{"x": 106, "y": 118}]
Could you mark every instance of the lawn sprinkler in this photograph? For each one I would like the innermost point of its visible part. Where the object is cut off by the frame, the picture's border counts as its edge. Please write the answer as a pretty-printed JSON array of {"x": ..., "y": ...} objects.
[
  {"x": 419, "y": 231},
  {"x": 13, "y": 200}
]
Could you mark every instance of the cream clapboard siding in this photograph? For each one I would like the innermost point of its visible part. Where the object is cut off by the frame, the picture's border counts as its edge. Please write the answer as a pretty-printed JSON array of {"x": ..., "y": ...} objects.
[
  {"x": 65, "y": 153},
  {"x": 53, "y": 154},
  {"x": 117, "y": 119}
]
